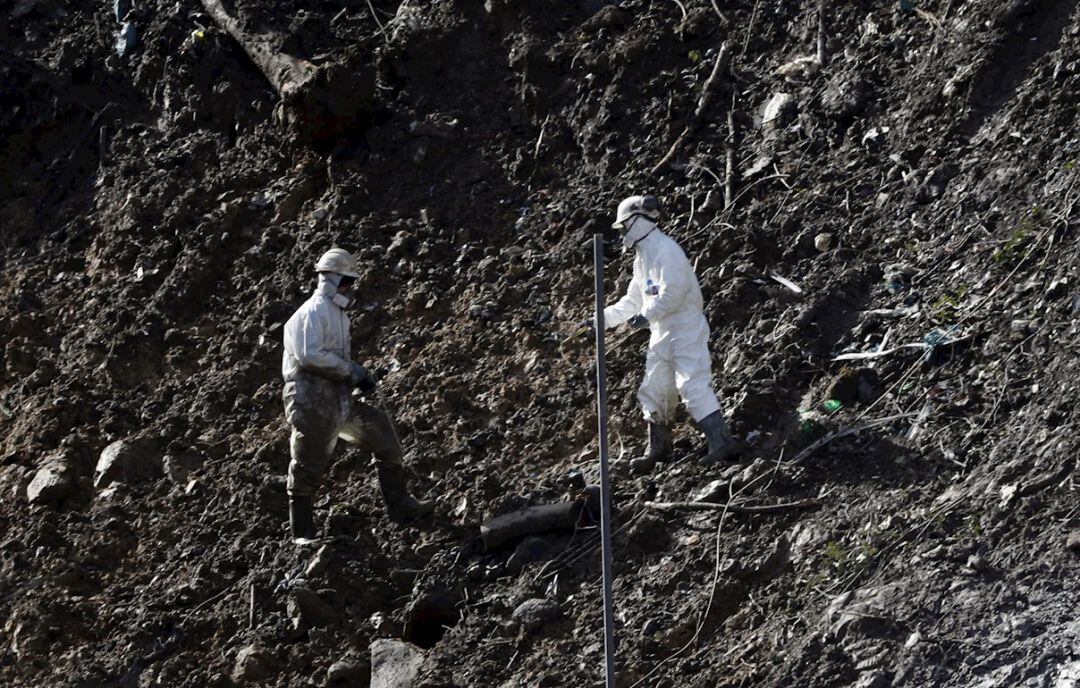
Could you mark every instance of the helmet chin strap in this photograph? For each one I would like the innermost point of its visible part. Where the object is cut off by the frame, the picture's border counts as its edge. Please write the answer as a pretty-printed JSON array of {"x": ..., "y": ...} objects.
[{"x": 629, "y": 242}]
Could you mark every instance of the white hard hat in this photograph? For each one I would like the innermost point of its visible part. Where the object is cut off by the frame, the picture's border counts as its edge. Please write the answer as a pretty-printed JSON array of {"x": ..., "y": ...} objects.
[
  {"x": 636, "y": 205},
  {"x": 338, "y": 261}
]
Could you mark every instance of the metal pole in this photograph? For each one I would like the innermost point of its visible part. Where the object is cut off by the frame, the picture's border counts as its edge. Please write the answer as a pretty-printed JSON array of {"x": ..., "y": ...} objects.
[{"x": 605, "y": 485}]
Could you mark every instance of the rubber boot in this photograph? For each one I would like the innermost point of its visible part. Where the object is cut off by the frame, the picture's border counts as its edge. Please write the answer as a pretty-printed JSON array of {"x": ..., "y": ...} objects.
[
  {"x": 659, "y": 449},
  {"x": 399, "y": 503},
  {"x": 722, "y": 446},
  {"x": 302, "y": 518}
]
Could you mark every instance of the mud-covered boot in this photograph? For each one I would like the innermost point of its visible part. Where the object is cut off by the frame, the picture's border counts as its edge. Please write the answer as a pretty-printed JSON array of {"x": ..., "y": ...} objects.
[
  {"x": 302, "y": 518},
  {"x": 659, "y": 449},
  {"x": 722, "y": 446},
  {"x": 401, "y": 505}
]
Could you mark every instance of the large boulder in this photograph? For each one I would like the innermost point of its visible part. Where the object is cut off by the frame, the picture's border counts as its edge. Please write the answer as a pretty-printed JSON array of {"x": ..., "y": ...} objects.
[
  {"x": 127, "y": 461},
  {"x": 54, "y": 481},
  {"x": 395, "y": 664}
]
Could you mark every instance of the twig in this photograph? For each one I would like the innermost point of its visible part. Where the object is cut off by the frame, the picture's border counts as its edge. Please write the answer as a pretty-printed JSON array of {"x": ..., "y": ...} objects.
[
  {"x": 251, "y": 607},
  {"x": 844, "y": 432},
  {"x": 736, "y": 509},
  {"x": 682, "y": 8},
  {"x": 729, "y": 172},
  {"x": 821, "y": 33},
  {"x": 750, "y": 28},
  {"x": 719, "y": 67},
  {"x": 378, "y": 22}
]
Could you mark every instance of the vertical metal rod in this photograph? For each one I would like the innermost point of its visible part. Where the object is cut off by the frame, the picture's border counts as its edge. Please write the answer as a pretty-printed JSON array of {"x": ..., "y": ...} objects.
[{"x": 605, "y": 485}]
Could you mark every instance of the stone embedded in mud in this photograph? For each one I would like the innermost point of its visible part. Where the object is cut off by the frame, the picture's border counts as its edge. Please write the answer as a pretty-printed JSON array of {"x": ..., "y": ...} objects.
[
  {"x": 395, "y": 664},
  {"x": 349, "y": 669},
  {"x": 534, "y": 614},
  {"x": 250, "y": 664},
  {"x": 532, "y": 549},
  {"x": 1073, "y": 543},
  {"x": 127, "y": 461},
  {"x": 54, "y": 481},
  {"x": 307, "y": 610}
]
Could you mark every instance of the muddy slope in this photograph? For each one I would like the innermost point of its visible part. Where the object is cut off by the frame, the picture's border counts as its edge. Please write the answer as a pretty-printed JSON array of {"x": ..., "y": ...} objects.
[{"x": 158, "y": 220}]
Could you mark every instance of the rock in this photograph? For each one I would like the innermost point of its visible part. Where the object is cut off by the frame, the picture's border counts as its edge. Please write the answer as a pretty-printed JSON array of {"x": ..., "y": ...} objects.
[
  {"x": 936, "y": 182},
  {"x": 1073, "y": 543},
  {"x": 823, "y": 242},
  {"x": 54, "y": 481},
  {"x": 349, "y": 669},
  {"x": 872, "y": 679},
  {"x": 250, "y": 664},
  {"x": 180, "y": 467},
  {"x": 534, "y": 614},
  {"x": 531, "y": 549},
  {"x": 395, "y": 664},
  {"x": 777, "y": 110},
  {"x": 127, "y": 461},
  {"x": 308, "y": 610}
]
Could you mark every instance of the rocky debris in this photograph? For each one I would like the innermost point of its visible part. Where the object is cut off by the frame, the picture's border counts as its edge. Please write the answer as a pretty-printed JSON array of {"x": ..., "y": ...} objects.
[
  {"x": 127, "y": 461},
  {"x": 54, "y": 481},
  {"x": 533, "y": 614},
  {"x": 776, "y": 112},
  {"x": 395, "y": 664},
  {"x": 532, "y": 549},
  {"x": 349, "y": 670},
  {"x": 251, "y": 664},
  {"x": 1073, "y": 541},
  {"x": 179, "y": 467},
  {"x": 308, "y": 610}
]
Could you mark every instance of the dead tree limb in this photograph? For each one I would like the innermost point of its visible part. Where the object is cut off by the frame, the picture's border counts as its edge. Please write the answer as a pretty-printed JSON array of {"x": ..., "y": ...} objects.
[
  {"x": 318, "y": 101},
  {"x": 736, "y": 508},
  {"x": 719, "y": 68}
]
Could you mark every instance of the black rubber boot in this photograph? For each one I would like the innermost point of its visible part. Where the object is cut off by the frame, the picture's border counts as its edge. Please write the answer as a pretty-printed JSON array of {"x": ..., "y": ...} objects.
[
  {"x": 302, "y": 518},
  {"x": 401, "y": 505},
  {"x": 659, "y": 449},
  {"x": 722, "y": 446}
]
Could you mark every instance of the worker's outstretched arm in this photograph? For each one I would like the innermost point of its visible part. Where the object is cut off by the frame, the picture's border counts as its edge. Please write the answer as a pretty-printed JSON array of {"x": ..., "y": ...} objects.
[
  {"x": 676, "y": 276},
  {"x": 307, "y": 342},
  {"x": 626, "y": 307}
]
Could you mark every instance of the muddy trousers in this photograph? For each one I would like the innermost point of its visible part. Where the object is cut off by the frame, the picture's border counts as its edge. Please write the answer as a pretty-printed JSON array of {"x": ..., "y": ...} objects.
[{"x": 321, "y": 412}]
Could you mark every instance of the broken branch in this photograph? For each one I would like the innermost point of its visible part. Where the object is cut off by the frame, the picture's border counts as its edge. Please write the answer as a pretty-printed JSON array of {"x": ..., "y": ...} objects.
[
  {"x": 719, "y": 67},
  {"x": 736, "y": 508},
  {"x": 320, "y": 101}
]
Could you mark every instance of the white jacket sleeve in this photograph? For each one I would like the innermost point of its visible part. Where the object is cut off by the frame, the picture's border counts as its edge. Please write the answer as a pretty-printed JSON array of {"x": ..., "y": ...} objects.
[
  {"x": 628, "y": 306},
  {"x": 307, "y": 343},
  {"x": 676, "y": 277}
]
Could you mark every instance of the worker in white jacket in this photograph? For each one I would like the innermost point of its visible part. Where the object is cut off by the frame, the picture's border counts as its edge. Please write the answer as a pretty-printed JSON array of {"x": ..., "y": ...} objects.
[
  {"x": 665, "y": 297},
  {"x": 319, "y": 378}
]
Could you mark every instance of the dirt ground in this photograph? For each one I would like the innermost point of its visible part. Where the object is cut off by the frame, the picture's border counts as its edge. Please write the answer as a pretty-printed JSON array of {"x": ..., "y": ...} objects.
[{"x": 160, "y": 212}]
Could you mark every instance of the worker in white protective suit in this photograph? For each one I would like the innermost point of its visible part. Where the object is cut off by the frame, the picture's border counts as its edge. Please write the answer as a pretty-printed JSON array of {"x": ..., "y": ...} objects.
[
  {"x": 319, "y": 378},
  {"x": 665, "y": 297}
]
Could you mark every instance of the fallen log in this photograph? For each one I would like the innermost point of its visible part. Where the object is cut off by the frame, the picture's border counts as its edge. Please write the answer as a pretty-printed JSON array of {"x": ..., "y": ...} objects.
[
  {"x": 529, "y": 521},
  {"x": 318, "y": 102}
]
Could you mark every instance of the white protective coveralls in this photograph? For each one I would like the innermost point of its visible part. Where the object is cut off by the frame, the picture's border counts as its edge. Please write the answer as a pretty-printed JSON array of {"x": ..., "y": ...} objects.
[
  {"x": 318, "y": 373},
  {"x": 665, "y": 291}
]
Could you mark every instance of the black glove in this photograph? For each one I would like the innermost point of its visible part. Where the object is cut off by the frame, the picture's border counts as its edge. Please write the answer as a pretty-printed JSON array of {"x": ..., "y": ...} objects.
[
  {"x": 590, "y": 327},
  {"x": 638, "y": 322},
  {"x": 362, "y": 379}
]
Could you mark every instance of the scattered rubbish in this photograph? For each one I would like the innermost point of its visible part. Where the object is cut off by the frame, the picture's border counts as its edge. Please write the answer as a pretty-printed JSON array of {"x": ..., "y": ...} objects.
[
  {"x": 800, "y": 67},
  {"x": 127, "y": 39},
  {"x": 786, "y": 283},
  {"x": 934, "y": 340},
  {"x": 823, "y": 242},
  {"x": 832, "y": 405}
]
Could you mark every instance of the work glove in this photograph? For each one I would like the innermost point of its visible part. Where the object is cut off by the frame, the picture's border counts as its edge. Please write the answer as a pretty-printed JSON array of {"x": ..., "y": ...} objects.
[
  {"x": 638, "y": 322},
  {"x": 590, "y": 327},
  {"x": 362, "y": 380}
]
